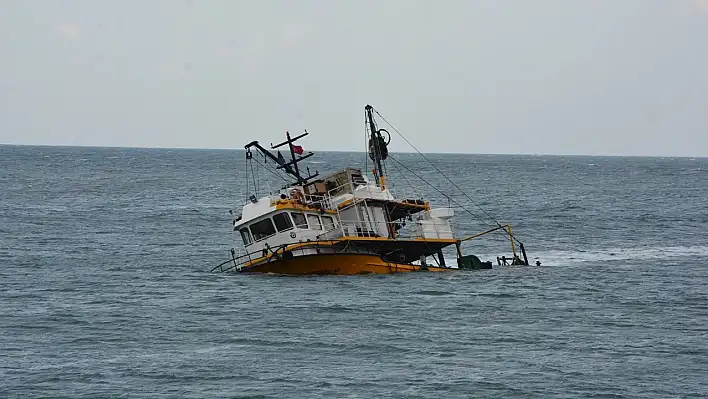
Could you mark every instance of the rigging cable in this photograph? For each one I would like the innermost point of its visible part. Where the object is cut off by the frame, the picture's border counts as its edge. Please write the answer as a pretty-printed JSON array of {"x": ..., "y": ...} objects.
[
  {"x": 255, "y": 186},
  {"x": 452, "y": 199},
  {"x": 415, "y": 191},
  {"x": 366, "y": 145},
  {"x": 436, "y": 168},
  {"x": 278, "y": 175},
  {"x": 273, "y": 171},
  {"x": 245, "y": 175},
  {"x": 266, "y": 179},
  {"x": 448, "y": 179},
  {"x": 443, "y": 174},
  {"x": 439, "y": 191}
]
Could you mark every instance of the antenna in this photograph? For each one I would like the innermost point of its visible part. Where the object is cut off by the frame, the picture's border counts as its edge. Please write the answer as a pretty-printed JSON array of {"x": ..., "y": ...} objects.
[{"x": 290, "y": 167}]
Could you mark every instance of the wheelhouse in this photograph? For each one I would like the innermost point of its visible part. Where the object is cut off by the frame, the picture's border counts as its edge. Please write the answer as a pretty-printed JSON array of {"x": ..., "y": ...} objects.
[{"x": 286, "y": 226}]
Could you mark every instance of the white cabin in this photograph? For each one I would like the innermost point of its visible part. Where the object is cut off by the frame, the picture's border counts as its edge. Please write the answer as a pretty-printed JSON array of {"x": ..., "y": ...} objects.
[{"x": 343, "y": 204}]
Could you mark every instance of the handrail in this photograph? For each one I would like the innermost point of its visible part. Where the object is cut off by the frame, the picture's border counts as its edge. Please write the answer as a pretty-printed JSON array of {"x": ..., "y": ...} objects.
[
  {"x": 330, "y": 243},
  {"x": 219, "y": 266},
  {"x": 328, "y": 196},
  {"x": 326, "y": 199},
  {"x": 411, "y": 230},
  {"x": 346, "y": 228},
  {"x": 234, "y": 259},
  {"x": 275, "y": 253}
]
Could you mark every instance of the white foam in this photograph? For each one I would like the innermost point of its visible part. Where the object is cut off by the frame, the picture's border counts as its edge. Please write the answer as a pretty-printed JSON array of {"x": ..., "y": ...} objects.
[
  {"x": 568, "y": 257},
  {"x": 561, "y": 257}
]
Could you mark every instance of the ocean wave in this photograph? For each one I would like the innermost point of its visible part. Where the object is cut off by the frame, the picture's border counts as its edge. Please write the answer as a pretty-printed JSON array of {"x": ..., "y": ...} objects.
[{"x": 568, "y": 257}]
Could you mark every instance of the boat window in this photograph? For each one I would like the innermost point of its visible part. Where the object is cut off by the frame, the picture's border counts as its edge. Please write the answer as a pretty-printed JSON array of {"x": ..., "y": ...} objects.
[
  {"x": 328, "y": 223},
  {"x": 282, "y": 222},
  {"x": 262, "y": 229},
  {"x": 246, "y": 235},
  {"x": 299, "y": 220},
  {"x": 314, "y": 222}
]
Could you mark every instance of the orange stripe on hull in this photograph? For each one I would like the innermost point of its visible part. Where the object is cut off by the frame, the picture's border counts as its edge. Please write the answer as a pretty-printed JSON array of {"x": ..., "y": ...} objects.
[{"x": 335, "y": 264}]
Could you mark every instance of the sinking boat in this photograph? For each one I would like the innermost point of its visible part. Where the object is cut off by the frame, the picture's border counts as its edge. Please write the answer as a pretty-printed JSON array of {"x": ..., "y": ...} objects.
[{"x": 343, "y": 223}]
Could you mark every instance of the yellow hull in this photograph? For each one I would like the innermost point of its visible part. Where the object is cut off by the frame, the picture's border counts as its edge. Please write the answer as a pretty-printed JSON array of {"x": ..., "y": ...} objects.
[{"x": 335, "y": 264}]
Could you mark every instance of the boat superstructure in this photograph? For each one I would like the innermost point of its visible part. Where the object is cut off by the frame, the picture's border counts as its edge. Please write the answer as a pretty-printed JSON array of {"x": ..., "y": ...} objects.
[{"x": 344, "y": 222}]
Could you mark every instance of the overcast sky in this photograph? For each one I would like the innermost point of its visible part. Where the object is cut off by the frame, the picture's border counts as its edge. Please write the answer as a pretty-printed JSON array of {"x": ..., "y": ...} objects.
[{"x": 613, "y": 77}]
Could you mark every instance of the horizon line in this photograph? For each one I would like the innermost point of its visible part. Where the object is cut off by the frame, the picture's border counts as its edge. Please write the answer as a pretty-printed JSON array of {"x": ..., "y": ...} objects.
[{"x": 348, "y": 151}]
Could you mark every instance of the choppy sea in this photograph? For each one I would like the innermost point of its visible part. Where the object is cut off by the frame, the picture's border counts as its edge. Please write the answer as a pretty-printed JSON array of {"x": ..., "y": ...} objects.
[{"x": 105, "y": 289}]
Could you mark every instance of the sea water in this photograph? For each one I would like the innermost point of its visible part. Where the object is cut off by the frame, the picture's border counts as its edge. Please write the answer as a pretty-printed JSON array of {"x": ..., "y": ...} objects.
[{"x": 105, "y": 289}]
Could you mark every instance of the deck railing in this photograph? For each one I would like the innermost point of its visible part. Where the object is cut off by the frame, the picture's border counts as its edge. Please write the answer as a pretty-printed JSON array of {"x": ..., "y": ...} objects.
[
  {"x": 274, "y": 253},
  {"x": 347, "y": 228},
  {"x": 367, "y": 228},
  {"x": 326, "y": 199}
]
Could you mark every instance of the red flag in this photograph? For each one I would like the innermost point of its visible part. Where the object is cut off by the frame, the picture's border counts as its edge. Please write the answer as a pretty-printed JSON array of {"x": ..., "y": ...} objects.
[{"x": 298, "y": 149}]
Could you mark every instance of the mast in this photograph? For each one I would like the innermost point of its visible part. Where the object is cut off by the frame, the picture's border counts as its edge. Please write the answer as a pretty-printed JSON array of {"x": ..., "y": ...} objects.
[
  {"x": 377, "y": 146},
  {"x": 300, "y": 180},
  {"x": 290, "y": 167}
]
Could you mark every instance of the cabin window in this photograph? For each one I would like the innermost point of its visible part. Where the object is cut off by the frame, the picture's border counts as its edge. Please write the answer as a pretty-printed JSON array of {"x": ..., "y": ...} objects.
[
  {"x": 328, "y": 223},
  {"x": 314, "y": 222},
  {"x": 299, "y": 220},
  {"x": 262, "y": 229},
  {"x": 282, "y": 222},
  {"x": 246, "y": 235}
]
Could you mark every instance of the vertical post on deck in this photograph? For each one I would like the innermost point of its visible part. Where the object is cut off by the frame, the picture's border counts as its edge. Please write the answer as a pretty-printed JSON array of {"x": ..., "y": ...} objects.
[
  {"x": 441, "y": 258},
  {"x": 511, "y": 239},
  {"x": 523, "y": 252},
  {"x": 233, "y": 257}
]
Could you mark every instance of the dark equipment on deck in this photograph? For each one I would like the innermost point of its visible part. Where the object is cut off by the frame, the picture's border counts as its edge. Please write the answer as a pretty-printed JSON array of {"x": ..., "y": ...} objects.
[{"x": 471, "y": 262}]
